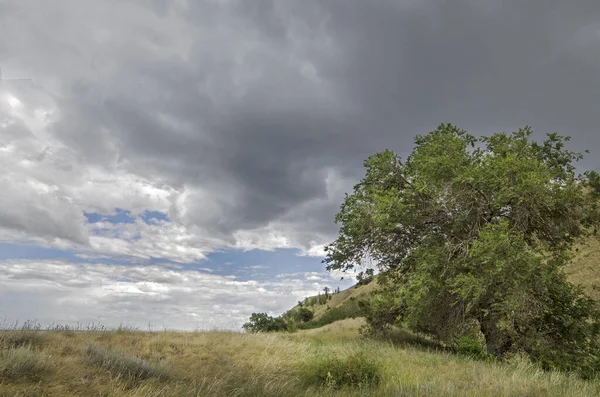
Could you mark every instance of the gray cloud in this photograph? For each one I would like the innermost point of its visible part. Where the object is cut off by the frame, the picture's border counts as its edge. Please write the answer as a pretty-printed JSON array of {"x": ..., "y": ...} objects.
[{"x": 239, "y": 113}]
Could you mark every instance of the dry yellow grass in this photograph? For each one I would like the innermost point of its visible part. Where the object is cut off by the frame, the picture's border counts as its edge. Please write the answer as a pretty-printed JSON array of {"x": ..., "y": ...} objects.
[
  {"x": 337, "y": 300},
  {"x": 234, "y": 364},
  {"x": 584, "y": 269}
]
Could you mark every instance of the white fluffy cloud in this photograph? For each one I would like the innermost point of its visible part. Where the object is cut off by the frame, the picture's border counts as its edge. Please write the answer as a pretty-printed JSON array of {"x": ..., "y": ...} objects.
[{"x": 70, "y": 293}]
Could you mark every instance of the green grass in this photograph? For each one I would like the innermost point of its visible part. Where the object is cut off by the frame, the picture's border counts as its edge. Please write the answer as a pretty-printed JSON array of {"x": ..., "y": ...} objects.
[
  {"x": 356, "y": 371},
  {"x": 330, "y": 361}
]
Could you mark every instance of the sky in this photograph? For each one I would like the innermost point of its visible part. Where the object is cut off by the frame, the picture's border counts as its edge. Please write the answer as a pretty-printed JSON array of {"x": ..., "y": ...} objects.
[{"x": 179, "y": 164}]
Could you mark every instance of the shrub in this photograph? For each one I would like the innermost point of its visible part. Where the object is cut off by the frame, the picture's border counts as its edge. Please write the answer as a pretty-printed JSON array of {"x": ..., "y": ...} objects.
[
  {"x": 304, "y": 315},
  {"x": 356, "y": 370},
  {"x": 471, "y": 347},
  {"x": 261, "y": 322},
  {"x": 122, "y": 365},
  {"x": 23, "y": 363}
]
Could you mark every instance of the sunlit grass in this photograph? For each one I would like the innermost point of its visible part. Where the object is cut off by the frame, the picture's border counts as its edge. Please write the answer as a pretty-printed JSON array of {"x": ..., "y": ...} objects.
[
  {"x": 129, "y": 363},
  {"x": 584, "y": 269}
]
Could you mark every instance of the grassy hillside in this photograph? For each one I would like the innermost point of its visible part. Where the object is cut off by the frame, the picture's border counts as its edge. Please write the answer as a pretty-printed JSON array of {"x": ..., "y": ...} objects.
[
  {"x": 339, "y": 306},
  {"x": 344, "y": 297},
  {"x": 233, "y": 364},
  {"x": 584, "y": 269}
]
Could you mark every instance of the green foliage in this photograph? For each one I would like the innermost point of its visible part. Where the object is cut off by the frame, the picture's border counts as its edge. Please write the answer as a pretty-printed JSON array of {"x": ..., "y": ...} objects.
[
  {"x": 261, "y": 322},
  {"x": 476, "y": 230},
  {"x": 470, "y": 347},
  {"x": 593, "y": 182},
  {"x": 355, "y": 371},
  {"x": 123, "y": 365},
  {"x": 320, "y": 299},
  {"x": 304, "y": 315},
  {"x": 381, "y": 311},
  {"x": 365, "y": 277}
]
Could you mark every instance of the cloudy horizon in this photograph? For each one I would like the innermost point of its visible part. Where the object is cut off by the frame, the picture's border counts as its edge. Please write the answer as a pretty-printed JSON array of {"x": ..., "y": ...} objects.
[{"x": 180, "y": 163}]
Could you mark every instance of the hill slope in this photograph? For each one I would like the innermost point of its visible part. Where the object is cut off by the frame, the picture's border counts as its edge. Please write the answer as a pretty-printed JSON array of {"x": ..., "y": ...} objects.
[
  {"x": 334, "y": 307},
  {"x": 584, "y": 269}
]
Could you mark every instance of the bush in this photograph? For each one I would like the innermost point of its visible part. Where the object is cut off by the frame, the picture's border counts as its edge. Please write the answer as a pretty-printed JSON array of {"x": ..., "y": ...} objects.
[
  {"x": 471, "y": 347},
  {"x": 261, "y": 322},
  {"x": 304, "y": 315},
  {"x": 123, "y": 365},
  {"x": 356, "y": 370},
  {"x": 23, "y": 363}
]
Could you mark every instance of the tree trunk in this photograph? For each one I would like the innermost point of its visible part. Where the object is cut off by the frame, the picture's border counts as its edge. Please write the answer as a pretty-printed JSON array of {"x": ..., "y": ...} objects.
[{"x": 496, "y": 342}]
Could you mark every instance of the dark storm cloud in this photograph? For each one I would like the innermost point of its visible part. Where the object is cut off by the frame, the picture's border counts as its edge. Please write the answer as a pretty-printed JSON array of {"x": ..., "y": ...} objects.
[
  {"x": 404, "y": 67},
  {"x": 487, "y": 66},
  {"x": 257, "y": 102}
]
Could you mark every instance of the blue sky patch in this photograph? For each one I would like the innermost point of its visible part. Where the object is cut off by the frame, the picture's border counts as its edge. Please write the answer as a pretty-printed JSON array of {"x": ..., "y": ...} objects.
[
  {"x": 119, "y": 216},
  {"x": 153, "y": 216},
  {"x": 25, "y": 251},
  {"x": 263, "y": 265}
]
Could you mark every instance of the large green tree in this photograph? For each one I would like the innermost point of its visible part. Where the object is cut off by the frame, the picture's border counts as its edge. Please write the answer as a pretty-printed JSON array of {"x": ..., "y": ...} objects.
[{"x": 472, "y": 234}]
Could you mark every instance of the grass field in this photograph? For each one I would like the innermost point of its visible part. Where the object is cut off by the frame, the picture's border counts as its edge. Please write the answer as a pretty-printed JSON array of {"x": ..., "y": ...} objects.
[{"x": 307, "y": 363}]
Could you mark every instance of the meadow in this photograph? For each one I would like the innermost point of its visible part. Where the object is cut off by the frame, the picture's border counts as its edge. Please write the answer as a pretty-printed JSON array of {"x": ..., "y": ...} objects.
[{"x": 334, "y": 360}]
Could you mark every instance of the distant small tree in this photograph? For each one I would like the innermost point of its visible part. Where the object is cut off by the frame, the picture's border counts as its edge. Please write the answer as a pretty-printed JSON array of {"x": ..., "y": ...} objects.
[
  {"x": 261, "y": 322},
  {"x": 365, "y": 277},
  {"x": 326, "y": 290}
]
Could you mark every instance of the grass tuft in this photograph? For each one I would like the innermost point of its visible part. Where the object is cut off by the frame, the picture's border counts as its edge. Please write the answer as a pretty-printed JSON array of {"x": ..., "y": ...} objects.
[
  {"x": 122, "y": 365},
  {"x": 22, "y": 363},
  {"x": 355, "y": 371}
]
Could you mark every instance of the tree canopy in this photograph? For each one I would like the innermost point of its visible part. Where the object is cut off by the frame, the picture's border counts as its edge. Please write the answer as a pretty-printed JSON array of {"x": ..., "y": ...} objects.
[
  {"x": 471, "y": 236},
  {"x": 262, "y": 322}
]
